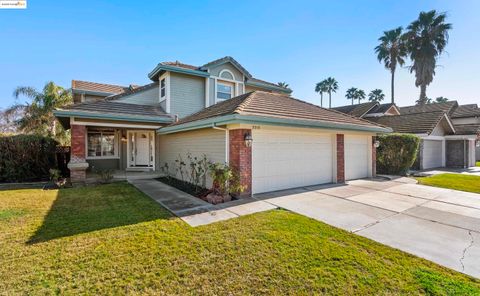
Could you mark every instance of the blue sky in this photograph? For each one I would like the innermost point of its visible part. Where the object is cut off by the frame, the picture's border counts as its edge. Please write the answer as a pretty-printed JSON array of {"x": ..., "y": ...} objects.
[{"x": 298, "y": 42}]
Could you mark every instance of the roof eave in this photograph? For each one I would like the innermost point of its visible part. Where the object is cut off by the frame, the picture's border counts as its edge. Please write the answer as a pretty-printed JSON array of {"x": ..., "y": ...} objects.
[
  {"x": 91, "y": 92},
  {"x": 255, "y": 119},
  {"x": 270, "y": 87},
  {"x": 160, "y": 67},
  {"x": 116, "y": 117}
]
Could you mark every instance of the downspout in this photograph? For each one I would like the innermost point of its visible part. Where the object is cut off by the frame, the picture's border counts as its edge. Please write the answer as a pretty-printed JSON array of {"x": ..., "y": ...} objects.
[{"x": 226, "y": 140}]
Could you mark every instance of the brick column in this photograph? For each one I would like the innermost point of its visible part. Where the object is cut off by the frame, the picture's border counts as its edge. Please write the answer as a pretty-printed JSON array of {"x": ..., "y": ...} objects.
[
  {"x": 78, "y": 165},
  {"x": 374, "y": 158},
  {"x": 340, "y": 158},
  {"x": 240, "y": 158}
]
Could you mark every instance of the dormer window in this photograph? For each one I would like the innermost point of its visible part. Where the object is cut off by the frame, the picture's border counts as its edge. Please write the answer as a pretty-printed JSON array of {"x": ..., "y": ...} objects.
[
  {"x": 163, "y": 89},
  {"x": 224, "y": 90}
]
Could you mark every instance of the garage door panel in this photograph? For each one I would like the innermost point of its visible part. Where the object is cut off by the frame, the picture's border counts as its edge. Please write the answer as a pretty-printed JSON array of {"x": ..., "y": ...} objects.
[
  {"x": 284, "y": 160},
  {"x": 356, "y": 157},
  {"x": 432, "y": 154}
]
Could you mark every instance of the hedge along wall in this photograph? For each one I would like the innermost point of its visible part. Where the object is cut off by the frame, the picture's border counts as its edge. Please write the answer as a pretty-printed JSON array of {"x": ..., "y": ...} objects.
[
  {"x": 396, "y": 153},
  {"x": 26, "y": 158}
]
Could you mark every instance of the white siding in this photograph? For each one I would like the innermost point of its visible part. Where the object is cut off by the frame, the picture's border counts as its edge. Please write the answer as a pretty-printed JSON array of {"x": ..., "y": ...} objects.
[
  {"x": 146, "y": 97},
  {"x": 210, "y": 142}
]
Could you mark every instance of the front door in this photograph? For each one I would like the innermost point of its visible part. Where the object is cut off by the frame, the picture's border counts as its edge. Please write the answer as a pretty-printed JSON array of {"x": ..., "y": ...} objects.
[{"x": 142, "y": 157}]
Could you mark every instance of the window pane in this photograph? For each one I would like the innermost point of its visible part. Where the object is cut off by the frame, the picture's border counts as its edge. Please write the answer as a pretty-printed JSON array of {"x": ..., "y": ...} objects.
[
  {"x": 94, "y": 144},
  {"x": 223, "y": 96},
  {"x": 163, "y": 92},
  {"x": 162, "y": 83},
  {"x": 108, "y": 144},
  {"x": 224, "y": 88}
]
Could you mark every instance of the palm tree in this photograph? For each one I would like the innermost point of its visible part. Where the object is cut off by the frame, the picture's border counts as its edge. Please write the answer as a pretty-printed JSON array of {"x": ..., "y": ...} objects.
[
  {"x": 321, "y": 88},
  {"x": 391, "y": 52},
  {"x": 360, "y": 95},
  {"x": 283, "y": 84},
  {"x": 351, "y": 94},
  {"x": 426, "y": 38},
  {"x": 38, "y": 113},
  {"x": 441, "y": 100},
  {"x": 376, "y": 95},
  {"x": 331, "y": 85}
]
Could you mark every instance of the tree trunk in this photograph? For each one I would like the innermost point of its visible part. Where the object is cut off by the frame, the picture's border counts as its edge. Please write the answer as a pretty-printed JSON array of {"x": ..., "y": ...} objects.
[
  {"x": 353, "y": 101},
  {"x": 330, "y": 100},
  {"x": 423, "y": 94},
  {"x": 321, "y": 99},
  {"x": 393, "y": 87}
]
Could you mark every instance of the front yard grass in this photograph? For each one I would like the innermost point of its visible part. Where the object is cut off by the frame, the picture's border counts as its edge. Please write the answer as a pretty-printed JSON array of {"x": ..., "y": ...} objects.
[
  {"x": 477, "y": 164},
  {"x": 112, "y": 239},
  {"x": 453, "y": 181}
]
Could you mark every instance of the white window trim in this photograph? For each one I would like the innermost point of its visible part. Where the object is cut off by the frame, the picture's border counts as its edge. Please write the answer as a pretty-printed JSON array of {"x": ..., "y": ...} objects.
[
  {"x": 227, "y": 71},
  {"x": 150, "y": 134},
  {"x": 166, "y": 75},
  {"x": 232, "y": 93},
  {"x": 116, "y": 146}
]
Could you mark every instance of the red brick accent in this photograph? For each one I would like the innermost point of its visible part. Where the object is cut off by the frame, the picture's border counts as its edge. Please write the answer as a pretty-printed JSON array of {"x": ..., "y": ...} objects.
[
  {"x": 78, "y": 141},
  {"x": 78, "y": 175},
  {"x": 374, "y": 158},
  {"x": 340, "y": 158},
  {"x": 240, "y": 158}
]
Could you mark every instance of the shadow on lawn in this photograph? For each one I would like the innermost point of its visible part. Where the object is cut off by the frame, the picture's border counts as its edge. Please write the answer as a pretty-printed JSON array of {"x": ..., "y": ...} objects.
[{"x": 82, "y": 210}]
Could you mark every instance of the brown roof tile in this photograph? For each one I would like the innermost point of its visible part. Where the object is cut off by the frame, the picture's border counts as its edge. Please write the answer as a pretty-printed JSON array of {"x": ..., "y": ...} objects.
[
  {"x": 265, "y": 104},
  {"x": 470, "y": 110},
  {"x": 467, "y": 129},
  {"x": 98, "y": 87},
  {"x": 447, "y": 107},
  {"x": 357, "y": 109},
  {"x": 415, "y": 123},
  {"x": 180, "y": 65}
]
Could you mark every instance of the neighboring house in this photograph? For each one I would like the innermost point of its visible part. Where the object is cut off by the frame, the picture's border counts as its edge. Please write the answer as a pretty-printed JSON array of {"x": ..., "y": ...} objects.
[
  {"x": 213, "y": 110},
  {"x": 444, "y": 142},
  {"x": 466, "y": 119}
]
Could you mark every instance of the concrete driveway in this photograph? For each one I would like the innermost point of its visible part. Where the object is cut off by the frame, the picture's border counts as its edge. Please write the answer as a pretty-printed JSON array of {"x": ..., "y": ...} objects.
[{"x": 437, "y": 224}]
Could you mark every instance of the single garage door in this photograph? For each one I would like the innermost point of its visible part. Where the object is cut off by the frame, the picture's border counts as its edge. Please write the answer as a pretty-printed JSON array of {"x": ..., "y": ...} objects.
[
  {"x": 285, "y": 159},
  {"x": 432, "y": 154},
  {"x": 357, "y": 160}
]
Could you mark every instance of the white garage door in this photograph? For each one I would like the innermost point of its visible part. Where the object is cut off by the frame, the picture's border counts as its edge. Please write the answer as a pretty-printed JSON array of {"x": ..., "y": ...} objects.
[
  {"x": 357, "y": 160},
  {"x": 432, "y": 154},
  {"x": 285, "y": 159}
]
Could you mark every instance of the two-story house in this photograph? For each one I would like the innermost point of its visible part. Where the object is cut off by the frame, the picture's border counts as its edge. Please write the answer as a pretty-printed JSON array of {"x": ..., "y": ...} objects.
[
  {"x": 219, "y": 110},
  {"x": 448, "y": 132}
]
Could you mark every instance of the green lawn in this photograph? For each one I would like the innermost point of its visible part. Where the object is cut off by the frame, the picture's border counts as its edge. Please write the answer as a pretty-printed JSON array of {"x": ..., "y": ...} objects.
[
  {"x": 111, "y": 239},
  {"x": 453, "y": 181},
  {"x": 477, "y": 164}
]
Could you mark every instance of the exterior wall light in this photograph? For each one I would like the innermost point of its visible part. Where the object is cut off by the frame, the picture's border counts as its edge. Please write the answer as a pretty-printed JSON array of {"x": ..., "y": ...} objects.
[
  {"x": 248, "y": 140},
  {"x": 376, "y": 144}
]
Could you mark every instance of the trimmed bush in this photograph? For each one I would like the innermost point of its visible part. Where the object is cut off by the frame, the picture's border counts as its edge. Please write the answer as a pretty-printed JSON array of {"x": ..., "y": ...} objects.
[
  {"x": 396, "y": 153},
  {"x": 26, "y": 158}
]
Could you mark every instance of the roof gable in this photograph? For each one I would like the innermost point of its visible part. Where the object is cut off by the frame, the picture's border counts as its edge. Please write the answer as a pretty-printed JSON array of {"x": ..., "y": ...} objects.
[
  {"x": 414, "y": 123},
  {"x": 224, "y": 60}
]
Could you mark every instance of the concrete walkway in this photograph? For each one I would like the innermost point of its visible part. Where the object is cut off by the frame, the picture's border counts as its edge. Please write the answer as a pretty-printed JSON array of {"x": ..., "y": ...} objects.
[
  {"x": 440, "y": 225},
  {"x": 195, "y": 211}
]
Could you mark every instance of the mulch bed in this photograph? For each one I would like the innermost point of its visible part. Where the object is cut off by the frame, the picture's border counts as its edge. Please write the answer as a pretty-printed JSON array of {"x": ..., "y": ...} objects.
[{"x": 186, "y": 187}]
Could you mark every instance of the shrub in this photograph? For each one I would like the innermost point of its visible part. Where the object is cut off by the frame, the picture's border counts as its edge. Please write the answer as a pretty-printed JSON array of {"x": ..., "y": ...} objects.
[
  {"x": 26, "y": 158},
  {"x": 396, "y": 153}
]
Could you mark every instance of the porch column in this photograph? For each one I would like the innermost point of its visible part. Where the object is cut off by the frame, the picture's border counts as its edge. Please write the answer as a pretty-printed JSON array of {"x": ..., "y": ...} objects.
[
  {"x": 374, "y": 158},
  {"x": 340, "y": 158},
  {"x": 78, "y": 165},
  {"x": 240, "y": 158}
]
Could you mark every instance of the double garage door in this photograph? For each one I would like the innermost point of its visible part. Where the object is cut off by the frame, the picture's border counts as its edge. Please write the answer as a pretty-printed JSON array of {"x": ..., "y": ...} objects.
[{"x": 287, "y": 159}]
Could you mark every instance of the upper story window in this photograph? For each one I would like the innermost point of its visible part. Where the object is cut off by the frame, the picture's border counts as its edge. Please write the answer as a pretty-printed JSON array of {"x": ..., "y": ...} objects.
[
  {"x": 163, "y": 89},
  {"x": 224, "y": 91}
]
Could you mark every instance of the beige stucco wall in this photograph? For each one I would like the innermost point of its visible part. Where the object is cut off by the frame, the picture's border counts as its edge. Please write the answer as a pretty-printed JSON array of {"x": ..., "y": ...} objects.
[{"x": 211, "y": 142}]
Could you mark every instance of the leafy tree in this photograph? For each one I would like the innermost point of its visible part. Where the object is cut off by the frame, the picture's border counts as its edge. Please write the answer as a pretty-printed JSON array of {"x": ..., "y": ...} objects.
[
  {"x": 351, "y": 94},
  {"x": 376, "y": 95},
  {"x": 38, "y": 115},
  {"x": 426, "y": 38},
  {"x": 425, "y": 100},
  {"x": 283, "y": 84},
  {"x": 331, "y": 85},
  {"x": 441, "y": 100},
  {"x": 321, "y": 88},
  {"x": 392, "y": 52}
]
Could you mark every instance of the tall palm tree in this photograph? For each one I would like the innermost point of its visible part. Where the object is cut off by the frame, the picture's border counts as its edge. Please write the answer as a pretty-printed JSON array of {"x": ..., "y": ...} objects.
[
  {"x": 331, "y": 85},
  {"x": 360, "y": 95},
  {"x": 321, "y": 88},
  {"x": 351, "y": 94},
  {"x": 392, "y": 52},
  {"x": 283, "y": 84},
  {"x": 38, "y": 113},
  {"x": 376, "y": 95},
  {"x": 426, "y": 38}
]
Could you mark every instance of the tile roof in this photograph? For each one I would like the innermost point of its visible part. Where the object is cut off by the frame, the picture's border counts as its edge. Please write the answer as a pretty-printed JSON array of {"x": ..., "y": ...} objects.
[
  {"x": 381, "y": 108},
  {"x": 447, "y": 107},
  {"x": 414, "y": 123},
  {"x": 356, "y": 109},
  {"x": 225, "y": 60},
  {"x": 98, "y": 87},
  {"x": 180, "y": 65},
  {"x": 274, "y": 105},
  {"x": 467, "y": 129},
  {"x": 112, "y": 107},
  {"x": 470, "y": 110}
]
